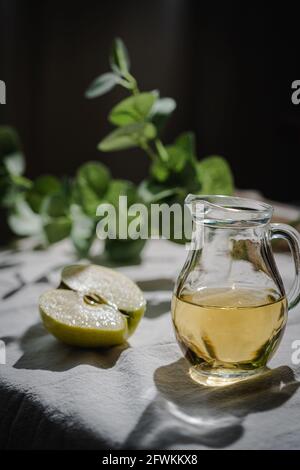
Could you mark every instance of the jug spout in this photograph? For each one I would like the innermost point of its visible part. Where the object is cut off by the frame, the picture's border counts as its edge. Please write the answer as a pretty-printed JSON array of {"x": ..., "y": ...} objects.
[{"x": 219, "y": 210}]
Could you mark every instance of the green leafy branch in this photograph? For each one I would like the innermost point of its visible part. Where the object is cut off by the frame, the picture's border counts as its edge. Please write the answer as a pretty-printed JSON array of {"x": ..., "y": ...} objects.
[
  {"x": 140, "y": 120},
  {"x": 51, "y": 209}
]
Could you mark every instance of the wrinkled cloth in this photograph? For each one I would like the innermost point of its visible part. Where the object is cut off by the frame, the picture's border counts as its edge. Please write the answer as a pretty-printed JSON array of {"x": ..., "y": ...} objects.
[{"x": 137, "y": 395}]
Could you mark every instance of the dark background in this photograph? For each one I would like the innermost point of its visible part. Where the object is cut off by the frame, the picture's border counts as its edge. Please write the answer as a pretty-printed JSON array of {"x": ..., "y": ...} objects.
[{"x": 229, "y": 65}]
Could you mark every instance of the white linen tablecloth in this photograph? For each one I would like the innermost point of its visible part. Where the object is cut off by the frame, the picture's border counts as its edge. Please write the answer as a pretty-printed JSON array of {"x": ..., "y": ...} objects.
[{"x": 134, "y": 396}]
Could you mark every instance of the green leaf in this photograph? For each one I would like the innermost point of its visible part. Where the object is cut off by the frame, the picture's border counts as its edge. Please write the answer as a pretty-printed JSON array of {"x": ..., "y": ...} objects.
[
  {"x": 12, "y": 166},
  {"x": 102, "y": 85},
  {"x": 187, "y": 177},
  {"x": 91, "y": 183},
  {"x": 95, "y": 175},
  {"x": 127, "y": 137},
  {"x": 43, "y": 186},
  {"x": 86, "y": 198},
  {"x": 9, "y": 141},
  {"x": 22, "y": 220},
  {"x": 55, "y": 205},
  {"x": 123, "y": 251},
  {"x": 187, "y": 143},
  {"x": 57, "y": 229},
  {"x": 14, "y": 163},
  {"x": 83, "y": 230},
  {"x": 35, "y": 201},
  {"x": 177, "y": 158},
  {"x": 119, "y": 57},
  {"x": 21, "y": 182},
  {"x": 178, "y": 167},
  {"x": 11, "y": 186},
  {"x": 132, "y": 109},
  {"x": 163, "y": 106},
  {"x": 161, "y": 170},
  {"x": 8, "y": 192},
  {"x": 214, "y": 175},
  {"x": 160, "y": 112},
  {"x": 55, "y": 217},
  {"x": 47, "y": 184},
  {"x": 151, "y": 192},
  {"x": 119, "y": 188}
]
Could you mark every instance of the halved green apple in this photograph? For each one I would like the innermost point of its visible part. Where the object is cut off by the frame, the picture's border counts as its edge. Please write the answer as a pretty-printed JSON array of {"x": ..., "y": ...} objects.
[
  {"x": 114, "y": 288},
  {"x": 94, "y": 307}
]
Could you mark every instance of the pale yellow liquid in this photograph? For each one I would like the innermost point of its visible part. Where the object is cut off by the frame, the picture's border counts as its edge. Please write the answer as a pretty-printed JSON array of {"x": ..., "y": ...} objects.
[{"x": 229, "y": 329}]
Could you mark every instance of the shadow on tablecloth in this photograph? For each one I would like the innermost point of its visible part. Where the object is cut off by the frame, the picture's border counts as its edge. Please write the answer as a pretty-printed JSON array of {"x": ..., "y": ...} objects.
[
  {"x": 42, "y": 351},
  {"x": 185, "y": 413}
]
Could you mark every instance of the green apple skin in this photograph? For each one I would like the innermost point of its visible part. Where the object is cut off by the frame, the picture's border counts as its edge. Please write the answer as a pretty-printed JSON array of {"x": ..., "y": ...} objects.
[
  {"x": 84, "y": 337},
  {"x": 134, "y": 319},
  {"x": 92, "y": 337}
]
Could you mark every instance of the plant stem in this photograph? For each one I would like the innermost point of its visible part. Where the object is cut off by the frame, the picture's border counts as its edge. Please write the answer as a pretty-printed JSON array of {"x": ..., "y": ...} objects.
[
  {"x": 146, "y": 147},
  {"x": 133, "y": 84},
  {"x": 135, "y": 90},
  {"x": 161, "y": 150},
  {"x": 125, "y": 83}
]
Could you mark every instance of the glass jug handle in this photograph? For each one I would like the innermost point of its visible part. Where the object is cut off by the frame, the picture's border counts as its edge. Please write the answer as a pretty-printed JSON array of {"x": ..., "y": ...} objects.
[{"x": 291, "y": 235}]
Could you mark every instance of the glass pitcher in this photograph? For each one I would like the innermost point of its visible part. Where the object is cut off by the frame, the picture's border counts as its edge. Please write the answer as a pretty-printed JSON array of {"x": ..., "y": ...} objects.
[{"x": 229, "y": 307}]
